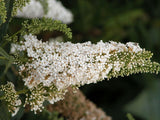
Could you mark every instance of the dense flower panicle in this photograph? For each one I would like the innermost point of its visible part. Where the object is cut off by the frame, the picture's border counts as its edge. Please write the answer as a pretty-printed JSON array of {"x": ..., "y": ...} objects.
[
  {"x": 11, "y": 97},
  {"x": 54, "y": 66},
  {"x": 66, "y": 64},
  {"x": 56, "y": 10}
]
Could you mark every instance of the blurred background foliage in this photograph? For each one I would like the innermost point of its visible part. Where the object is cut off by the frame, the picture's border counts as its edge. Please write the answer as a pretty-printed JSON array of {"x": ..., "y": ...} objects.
[{"x": 121, "y": 21}]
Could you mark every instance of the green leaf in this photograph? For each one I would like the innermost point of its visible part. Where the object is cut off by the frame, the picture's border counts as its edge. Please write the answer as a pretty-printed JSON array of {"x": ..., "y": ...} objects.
[
  {"x": 130, "y": 117},
  {"x": 4, "y": 53},
  {"x": 5, "y": 59},
  {"x": 147, "y": 104},
  {"x": 19, "y": 115},
  {"x": 8, "y": 66},
  {"x": 4, "y": 114}
]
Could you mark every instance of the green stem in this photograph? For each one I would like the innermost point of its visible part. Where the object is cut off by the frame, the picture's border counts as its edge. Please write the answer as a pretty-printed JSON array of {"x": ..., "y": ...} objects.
[
  {"x": 17, "y": 33},
  {"x": 22, "y": 91}
]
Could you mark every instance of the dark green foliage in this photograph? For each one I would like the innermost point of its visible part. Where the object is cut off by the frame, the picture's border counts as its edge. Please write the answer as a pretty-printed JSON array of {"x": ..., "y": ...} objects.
[
  {"x": 6, "y": 59},
  {"x": 5, "y": 55},
  {"x": 117, "y": 24},
  {"x": 105, "y": 19},
  {"x": 4, "y": 114},
  {"x": 19, "y": 115}
]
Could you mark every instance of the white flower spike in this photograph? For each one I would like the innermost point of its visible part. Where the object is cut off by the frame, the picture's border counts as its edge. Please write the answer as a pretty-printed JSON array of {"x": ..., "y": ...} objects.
[{"x": 56, "y": 11}]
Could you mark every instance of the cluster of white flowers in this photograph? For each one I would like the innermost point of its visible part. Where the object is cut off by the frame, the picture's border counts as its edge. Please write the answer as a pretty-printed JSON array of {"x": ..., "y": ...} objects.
[
  {"x": 39, "y": 94},
  {"x": 56, "y": 10},
  {"x": 36, "y": 98},
  {"x": 54, "y": 66},
  {"x": 11, "y": 97},
  {"x": 67, "y": 64}
]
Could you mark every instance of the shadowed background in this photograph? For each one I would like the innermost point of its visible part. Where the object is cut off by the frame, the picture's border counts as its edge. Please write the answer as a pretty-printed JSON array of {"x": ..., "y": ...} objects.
[{"x": 121, "y": 21}]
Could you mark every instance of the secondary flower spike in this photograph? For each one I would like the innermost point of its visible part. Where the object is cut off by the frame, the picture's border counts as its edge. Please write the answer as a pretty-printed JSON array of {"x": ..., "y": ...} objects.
[
  {"x": 11, "y": 97},
  {"x": 54, "y": 9}
]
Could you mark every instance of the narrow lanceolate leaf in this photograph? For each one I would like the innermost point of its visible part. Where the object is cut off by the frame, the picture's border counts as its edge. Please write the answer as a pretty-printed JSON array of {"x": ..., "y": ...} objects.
[
  {"x": 5, "y": 54},
  {"x": 7, "y": 66},
  {"x": 5, "y": 115},
  {"x": 5, "y": 59}
]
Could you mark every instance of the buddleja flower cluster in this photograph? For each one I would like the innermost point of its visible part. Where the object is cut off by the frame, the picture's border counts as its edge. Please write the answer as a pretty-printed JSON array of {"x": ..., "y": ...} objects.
[
  {"x": 65, "y": 64},
  {"x": 52, "y": 67},
  {"x": 11, "y": 97},
  {"x": 54, "y": 9}
]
